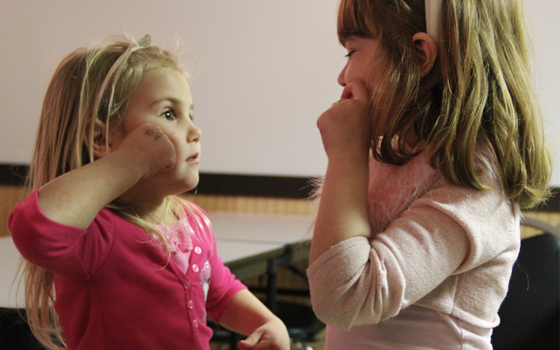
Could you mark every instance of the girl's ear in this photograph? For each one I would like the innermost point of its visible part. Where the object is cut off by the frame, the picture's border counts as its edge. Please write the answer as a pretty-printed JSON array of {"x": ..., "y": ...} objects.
[
  {"x": 427, "y": 50},
  {"x": 99, "y": 145}
]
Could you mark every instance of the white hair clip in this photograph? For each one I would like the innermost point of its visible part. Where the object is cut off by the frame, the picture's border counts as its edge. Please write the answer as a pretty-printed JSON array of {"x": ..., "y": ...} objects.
[
  {"x": 137, "y": 47},
  {"x": 112, "y": 70},
  {"x": 433, "y": 18}
]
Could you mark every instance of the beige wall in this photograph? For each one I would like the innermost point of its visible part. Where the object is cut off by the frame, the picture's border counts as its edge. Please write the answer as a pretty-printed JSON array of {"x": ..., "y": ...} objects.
[{"x": 262, "y": 71}]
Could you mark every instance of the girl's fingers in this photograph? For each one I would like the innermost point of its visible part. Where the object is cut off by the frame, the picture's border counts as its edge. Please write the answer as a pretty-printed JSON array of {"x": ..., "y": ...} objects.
[
  {"x": 251, "y": 340},
  {"x": 345, "y": 127},
  {"x": 347, "y": 92},
  {"x": 355, "y": 90},
  {"x": 153, "y": 146}
]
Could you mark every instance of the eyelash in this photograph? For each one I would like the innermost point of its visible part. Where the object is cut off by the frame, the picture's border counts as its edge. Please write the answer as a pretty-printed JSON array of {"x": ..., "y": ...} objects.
[
  {"x": 169, "y": 111},
  {"x": 173, "y": 117},
  {"x": 350, "y": 53}
]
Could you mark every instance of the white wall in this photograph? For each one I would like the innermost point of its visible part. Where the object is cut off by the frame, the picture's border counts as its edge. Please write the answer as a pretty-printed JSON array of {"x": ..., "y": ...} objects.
[
  {"x": 262, "y": 71},
  {"x": 543, "y": 16}
]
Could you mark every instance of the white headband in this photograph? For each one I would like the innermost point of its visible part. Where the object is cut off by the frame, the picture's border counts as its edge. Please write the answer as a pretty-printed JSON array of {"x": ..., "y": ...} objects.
[{"x": 433, "y": 18}]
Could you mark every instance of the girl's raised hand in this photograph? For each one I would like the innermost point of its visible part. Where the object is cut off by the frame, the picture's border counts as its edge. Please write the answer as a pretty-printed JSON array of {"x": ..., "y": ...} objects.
[
  {"x": 75, "y": 198},
  {"x": 151, "y": 147},
  {"x": 346, "y": 126}
]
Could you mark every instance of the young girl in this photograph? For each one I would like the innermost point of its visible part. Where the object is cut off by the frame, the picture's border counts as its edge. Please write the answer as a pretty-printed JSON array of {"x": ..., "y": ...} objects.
[
  {"x": 432, "y": 151},
  {"x": 125, "y": 262}
]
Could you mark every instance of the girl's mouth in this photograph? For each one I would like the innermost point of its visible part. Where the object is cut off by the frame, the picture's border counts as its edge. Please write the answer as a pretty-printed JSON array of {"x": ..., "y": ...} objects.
[{"x": 193, "y": 158}]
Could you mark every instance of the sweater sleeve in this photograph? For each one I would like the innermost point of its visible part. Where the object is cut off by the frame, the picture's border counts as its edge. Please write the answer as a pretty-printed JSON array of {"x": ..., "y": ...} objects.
[
  {"x": 444, "y": 232},
  {"x": 70, "y": 252},
  {"x": 223, "y": 289}
]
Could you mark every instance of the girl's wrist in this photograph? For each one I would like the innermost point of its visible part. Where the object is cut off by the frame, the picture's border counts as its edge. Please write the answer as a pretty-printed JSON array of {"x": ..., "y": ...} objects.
[
  {"x": 348, "y": 156},
  {"x": 131, "y": 163}
]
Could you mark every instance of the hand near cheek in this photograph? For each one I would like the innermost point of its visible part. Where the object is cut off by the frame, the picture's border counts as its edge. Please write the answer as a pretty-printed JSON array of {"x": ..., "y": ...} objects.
[
  {"x": 346, "y": 126},
  {"x": 152, "y": 148}
]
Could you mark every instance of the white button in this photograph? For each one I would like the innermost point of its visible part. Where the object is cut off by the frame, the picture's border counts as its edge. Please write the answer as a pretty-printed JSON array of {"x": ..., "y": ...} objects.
[
  {"x": 197, "y": 250},
  {"x": 195, "y": 323},
  {"x": 195, "y": 268},
  {"x": 187, "y": 284},
  {"x": 190, "y": 304}
]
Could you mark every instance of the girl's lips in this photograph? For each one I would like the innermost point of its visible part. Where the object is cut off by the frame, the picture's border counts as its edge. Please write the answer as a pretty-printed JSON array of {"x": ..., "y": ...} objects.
[{"x": 193, "y": 158}]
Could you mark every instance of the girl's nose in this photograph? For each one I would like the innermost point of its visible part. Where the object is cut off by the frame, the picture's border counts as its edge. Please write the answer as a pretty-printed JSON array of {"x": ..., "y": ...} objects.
[
  {"x": 194, "y": 134},
  {"x": 341, "y": 80}
]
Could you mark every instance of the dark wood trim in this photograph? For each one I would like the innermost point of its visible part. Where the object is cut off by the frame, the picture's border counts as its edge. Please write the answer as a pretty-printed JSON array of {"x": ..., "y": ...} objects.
[
  {"x": 211, "y": 184},
  {"x": 245, "y": 185},
  {"x": 13, "y": 174},
  {"x": 254, "y": 186}
]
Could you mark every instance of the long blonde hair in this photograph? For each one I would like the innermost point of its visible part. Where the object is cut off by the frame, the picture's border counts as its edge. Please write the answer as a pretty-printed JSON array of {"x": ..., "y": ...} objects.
[
  {"x": 91, "y": 88},
  {"x": 479, "y": 94}
]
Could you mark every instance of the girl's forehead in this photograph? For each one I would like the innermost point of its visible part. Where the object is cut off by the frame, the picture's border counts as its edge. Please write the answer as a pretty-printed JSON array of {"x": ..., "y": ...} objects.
[
  {"x": 164, "y": 74},
  {"x": 359, "y": 41},
  {"x": 164, "y": 83},
  {"x": 349, "y": 40}
]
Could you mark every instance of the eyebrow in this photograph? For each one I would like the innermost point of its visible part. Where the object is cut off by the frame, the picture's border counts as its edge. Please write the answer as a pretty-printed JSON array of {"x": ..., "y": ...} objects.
[
  {"x": 170, "y": 99},
  {"x": 173, "y": 100}
]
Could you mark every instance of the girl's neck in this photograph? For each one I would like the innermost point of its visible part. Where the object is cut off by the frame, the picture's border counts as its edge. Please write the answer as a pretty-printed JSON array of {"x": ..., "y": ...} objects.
[
  {"x": 411, "y": 140},
  {"x": 154, "y": 211},
  {"x": 162, "y": 215}
]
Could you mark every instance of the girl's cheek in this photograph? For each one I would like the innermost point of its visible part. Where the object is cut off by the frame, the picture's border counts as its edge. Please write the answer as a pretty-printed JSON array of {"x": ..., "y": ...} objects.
[
  {"x": 166, "y": 127},
  {"x": 175, "y": 138}
]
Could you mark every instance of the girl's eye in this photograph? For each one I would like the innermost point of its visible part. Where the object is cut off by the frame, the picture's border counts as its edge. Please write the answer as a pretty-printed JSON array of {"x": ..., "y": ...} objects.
[
  {"x": 350, "y": 53},
  {"x": 169, "y": 114}
]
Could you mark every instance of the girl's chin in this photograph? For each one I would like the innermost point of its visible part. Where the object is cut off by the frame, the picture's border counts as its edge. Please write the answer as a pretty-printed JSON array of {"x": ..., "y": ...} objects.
[
  {"x": 191, "y": 183},
  {"x": 190, "y": 188}
]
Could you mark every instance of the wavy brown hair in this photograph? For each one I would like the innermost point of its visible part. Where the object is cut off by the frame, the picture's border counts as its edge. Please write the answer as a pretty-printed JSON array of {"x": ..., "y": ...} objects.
[
  {"x": 479, "y": 94},
  {"x": 90, "y": 89}
]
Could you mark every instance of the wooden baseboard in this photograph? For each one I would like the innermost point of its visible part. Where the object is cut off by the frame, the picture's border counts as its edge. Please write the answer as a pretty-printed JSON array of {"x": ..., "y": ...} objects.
[{"x": 10, "y": 195}]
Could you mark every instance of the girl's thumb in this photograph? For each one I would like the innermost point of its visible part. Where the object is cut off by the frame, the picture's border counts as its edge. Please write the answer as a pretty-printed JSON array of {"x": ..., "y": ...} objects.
[
  {"x": 250, "y": 341},
  {"x": 355, "y": 90}
]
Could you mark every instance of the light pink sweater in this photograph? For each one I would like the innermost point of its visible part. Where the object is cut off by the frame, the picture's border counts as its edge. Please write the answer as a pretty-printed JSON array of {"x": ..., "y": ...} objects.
[{"x": 434, "y": 245}]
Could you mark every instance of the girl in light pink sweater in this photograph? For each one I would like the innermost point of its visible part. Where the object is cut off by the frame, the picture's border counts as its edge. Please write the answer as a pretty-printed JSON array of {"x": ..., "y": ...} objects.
[{"x": 433, "y": 149}]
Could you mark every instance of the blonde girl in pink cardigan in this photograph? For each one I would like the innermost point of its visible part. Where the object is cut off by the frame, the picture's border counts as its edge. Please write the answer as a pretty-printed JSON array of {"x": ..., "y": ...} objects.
[
  {"x": 115, "y": 259},
  {"x": 433, "y": 149}
]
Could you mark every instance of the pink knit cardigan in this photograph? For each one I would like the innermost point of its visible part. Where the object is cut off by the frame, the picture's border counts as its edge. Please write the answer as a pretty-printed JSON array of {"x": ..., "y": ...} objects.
[{"x": 434, "y": 245}]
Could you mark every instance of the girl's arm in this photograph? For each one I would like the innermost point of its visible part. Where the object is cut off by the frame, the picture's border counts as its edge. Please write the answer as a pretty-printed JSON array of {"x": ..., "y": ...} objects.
[
  {"x": 75, "y": 198},
  {"x": 245, "y": 314},
  {"x": 345, "y": 130}
]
